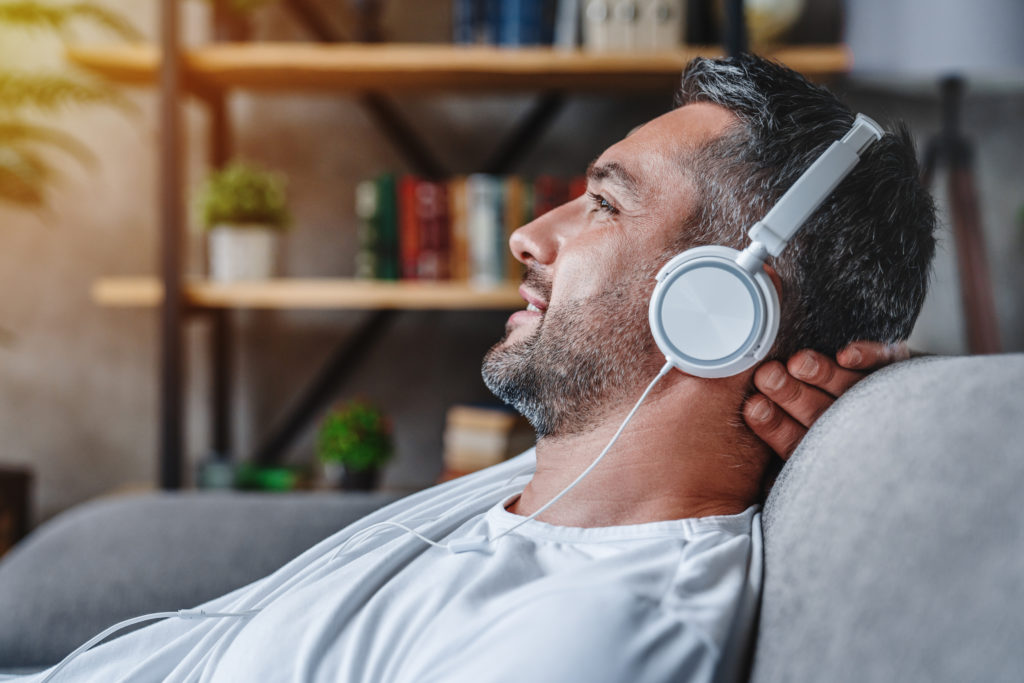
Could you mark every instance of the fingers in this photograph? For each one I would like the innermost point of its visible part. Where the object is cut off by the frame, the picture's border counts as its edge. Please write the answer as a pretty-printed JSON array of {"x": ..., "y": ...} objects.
[
  {"x": 822, "y": 372},
  {"x": 801, "y": 401},
  {"x": 781, "y": 432},
  {"x": 869, "y": 355}
]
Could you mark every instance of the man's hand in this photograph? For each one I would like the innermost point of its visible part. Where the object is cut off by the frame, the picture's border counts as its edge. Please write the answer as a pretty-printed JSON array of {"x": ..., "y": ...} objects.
[{"x": 794, "y": 395}]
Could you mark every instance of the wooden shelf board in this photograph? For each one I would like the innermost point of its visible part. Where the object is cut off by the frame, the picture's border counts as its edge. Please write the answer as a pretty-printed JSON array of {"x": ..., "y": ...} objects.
[
  {"x": 293, "y": 293},
  {"x": 407, "y": 67}
]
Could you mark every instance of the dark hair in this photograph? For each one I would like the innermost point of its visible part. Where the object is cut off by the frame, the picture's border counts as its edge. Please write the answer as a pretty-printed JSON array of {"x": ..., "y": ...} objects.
[{"x": 859, "y": 267}]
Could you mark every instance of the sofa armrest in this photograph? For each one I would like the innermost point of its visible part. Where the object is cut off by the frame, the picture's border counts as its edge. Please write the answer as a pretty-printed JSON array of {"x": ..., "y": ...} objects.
[
  {"x": 894, "y": 537},
  {"x": 114, "y": 558}
]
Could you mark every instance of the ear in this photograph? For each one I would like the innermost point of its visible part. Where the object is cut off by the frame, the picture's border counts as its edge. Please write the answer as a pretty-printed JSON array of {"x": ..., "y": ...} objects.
[{"x": 776, "y": 280}]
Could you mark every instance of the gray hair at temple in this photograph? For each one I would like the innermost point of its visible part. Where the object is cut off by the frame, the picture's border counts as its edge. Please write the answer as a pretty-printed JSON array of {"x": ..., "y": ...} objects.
[{"x": 859, "y": 267}]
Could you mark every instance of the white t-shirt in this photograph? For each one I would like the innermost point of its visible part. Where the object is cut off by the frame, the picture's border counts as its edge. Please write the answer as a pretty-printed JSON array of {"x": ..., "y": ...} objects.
[{"x": 662, "y": 601}]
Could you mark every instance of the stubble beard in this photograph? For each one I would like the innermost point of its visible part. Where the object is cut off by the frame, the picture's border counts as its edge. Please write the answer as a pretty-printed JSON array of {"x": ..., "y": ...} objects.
[{"x": 586, "y": 358}]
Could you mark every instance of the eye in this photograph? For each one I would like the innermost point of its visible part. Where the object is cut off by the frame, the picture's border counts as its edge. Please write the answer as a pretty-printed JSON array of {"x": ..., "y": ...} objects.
[{"x": 601, "y": 204}]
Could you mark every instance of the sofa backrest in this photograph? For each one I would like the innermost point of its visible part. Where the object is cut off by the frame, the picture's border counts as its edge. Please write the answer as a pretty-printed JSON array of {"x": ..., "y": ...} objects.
[{"x": 894, "y": 537}]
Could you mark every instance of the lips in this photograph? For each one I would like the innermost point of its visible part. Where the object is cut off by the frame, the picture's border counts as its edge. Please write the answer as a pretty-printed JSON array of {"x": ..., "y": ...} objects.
[{"x": 533, "y": 302}]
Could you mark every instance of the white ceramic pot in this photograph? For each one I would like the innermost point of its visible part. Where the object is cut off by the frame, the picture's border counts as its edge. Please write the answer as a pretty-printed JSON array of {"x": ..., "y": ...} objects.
[{"x": 242, "y": 252}]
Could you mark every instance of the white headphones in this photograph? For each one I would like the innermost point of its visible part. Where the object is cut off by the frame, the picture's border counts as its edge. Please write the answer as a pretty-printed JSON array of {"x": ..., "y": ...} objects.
[{"x": 714, "y": 311}]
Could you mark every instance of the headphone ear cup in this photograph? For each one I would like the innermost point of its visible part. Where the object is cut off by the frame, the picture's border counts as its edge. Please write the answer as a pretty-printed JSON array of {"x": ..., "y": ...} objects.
[{"x": 710, "y": 316}]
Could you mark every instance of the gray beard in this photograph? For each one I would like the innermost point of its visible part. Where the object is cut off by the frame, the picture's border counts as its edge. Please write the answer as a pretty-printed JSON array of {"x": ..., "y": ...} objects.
[{"x": 583, "y": 360}]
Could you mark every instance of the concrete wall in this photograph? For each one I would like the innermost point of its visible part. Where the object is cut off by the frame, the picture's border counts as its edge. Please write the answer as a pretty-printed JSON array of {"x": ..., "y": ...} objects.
[{"x": 78, "y": 392}]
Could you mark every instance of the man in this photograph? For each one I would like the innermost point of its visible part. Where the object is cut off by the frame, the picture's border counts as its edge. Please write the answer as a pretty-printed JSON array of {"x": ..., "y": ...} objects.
[{"x": 649, "y": 570}]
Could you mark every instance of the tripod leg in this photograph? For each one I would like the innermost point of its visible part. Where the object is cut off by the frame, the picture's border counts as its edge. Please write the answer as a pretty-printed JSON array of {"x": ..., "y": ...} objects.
[{"x": 975, "y": 281}]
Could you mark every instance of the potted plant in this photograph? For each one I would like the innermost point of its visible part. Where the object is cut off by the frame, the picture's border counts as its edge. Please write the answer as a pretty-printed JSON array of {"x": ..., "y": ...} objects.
[
  {"x": 244, "y": 209},
  {"x": 353, "y": 444}
]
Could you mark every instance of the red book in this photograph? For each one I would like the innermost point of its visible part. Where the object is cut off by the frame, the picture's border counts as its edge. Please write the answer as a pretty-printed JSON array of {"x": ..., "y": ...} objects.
[
  {"x": 408, "y": 227},
  {"x": 432, "y": 216},
  {"x": 548, "y": 192},
  {"x": 577, "y": 186}
]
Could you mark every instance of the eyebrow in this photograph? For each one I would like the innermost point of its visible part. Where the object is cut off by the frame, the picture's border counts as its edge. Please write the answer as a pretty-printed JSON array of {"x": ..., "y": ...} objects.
[{"x": 616, "y": 173}]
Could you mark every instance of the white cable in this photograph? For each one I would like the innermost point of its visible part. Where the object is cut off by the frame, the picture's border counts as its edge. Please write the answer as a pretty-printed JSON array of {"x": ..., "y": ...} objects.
[
  {"x": 456, "y": 546},
  {"x": 184, "y": 614},
  {"x": 480, "y": 543},
  {"x": 362, "y": 532},
  {"x": 661, "y": 373}
]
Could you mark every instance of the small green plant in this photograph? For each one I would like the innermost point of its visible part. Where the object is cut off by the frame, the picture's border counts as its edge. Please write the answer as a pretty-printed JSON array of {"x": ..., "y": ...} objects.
[
  {"x": 356, "y": 435},
  {"x": 244, "y": 193}
]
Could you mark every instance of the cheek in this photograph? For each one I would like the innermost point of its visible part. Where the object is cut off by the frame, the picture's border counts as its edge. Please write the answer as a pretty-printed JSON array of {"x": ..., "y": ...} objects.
[{"x": 592, "y": 271}]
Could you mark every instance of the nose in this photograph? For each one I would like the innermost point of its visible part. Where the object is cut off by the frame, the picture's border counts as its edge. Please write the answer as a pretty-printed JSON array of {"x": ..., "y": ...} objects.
[{"x": 541, "y": 239}]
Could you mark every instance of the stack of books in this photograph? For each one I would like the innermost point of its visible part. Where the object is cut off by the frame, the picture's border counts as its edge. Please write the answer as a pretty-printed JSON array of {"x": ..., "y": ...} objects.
[
  {"x": 512, "y": 23},
  {"x": 633, "y": 25},
  {"x": 416, "y": 229},
  {"x": 607, "y": 25},
  {"x": 476, "y": 437}
]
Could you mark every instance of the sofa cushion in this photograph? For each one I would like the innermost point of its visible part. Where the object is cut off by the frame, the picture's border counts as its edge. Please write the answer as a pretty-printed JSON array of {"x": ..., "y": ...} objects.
[
  {"x": 894, "y": 537},
  {"x": 114, "y": 558}
]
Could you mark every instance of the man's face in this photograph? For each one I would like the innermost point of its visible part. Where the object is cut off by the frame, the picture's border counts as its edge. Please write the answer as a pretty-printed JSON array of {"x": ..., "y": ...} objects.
[{"x": 583, "y": 347}]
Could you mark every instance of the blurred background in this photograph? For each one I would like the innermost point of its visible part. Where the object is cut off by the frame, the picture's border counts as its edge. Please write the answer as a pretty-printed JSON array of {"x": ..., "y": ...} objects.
[{"x": 80, "y": 202}]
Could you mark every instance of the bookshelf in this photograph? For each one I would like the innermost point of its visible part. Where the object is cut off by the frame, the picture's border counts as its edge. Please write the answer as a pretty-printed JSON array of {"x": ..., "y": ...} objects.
[
  {"x": 311, "y": 293},
  {"x": 368, "y": 73},
  {"x": 423, "y": 68}
]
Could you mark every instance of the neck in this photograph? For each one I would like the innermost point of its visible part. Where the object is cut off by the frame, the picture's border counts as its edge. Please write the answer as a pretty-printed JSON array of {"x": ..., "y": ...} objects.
[{"x": 686, "y": 453}]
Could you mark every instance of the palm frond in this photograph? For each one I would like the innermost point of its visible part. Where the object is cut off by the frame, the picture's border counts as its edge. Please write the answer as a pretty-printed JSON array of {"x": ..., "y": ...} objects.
[
  {"x": 53, "y": 91},
  {"x": 13, "y": 133},
  {"x": 31, "y": 14},
  {"x": 23, "y": 175}
]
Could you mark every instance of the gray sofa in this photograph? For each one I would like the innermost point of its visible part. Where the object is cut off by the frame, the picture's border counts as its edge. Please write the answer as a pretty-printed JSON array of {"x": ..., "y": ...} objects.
[{"x": 894, "y": 542}]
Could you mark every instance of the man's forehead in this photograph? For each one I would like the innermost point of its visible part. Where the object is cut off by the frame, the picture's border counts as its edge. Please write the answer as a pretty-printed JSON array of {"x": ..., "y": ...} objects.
[{"x": 660, "y": 145}]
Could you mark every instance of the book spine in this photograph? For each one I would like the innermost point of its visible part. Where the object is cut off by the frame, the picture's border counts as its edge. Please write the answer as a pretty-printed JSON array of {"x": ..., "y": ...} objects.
[
  {"x": 465, "y": 21},
  {"x": 567, "y": 25},
  {"x": 597, "y": 25},
  {"x": 520, "y": 22},
  {"x": 367, "y": 266},
  {"x": 577, "y": 187},
  {"x": 548, "y": 192},
  {"x": 660, "y": 25},
  {"x": 623, "y": 26},
  {"x": 387, "y": 228},
  {"x": 457, "y": 209},
  {"x": 408, "y": 228},
  {"x": 432, "y": 220},
  {"x": 484, "y": 229},
  {"x": 514, "y": 218}
]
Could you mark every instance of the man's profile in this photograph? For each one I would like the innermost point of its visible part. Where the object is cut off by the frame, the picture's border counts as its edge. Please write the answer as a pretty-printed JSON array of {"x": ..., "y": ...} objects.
[{"x": 649, "y": 570}]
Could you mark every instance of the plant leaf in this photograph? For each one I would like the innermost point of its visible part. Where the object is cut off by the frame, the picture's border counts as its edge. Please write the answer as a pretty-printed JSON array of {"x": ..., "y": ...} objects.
[
  {"x": 23, "y": 176},
  {"x": 32, "y": 14},
  {"x": 53, "y": 91},
  {"x": 16, "y": 132}
]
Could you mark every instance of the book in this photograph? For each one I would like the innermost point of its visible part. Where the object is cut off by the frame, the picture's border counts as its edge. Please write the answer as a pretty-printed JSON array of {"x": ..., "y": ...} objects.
[
  {"x": 549, "y": 192},
  {"x": 485, "y": 229},
  {"x": 458, "y": 266},
  {"x": 520, "y": 22},
  {"x": 408, "y": 228},
  {"x": 566, "y": 33},
  {"x": 432, "y": 258},
  {"x": 367, "y": 211},
  {"x": 514, "y": 217},
  {"x": 387, "y": 267},
  {"x": 597, "y": 25},
  {"x": 476, "y": 437},
  {"x": 622, "y": 26},
  {"x": 660, "y": 24},
  {"x": 577, "y": 187}
]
